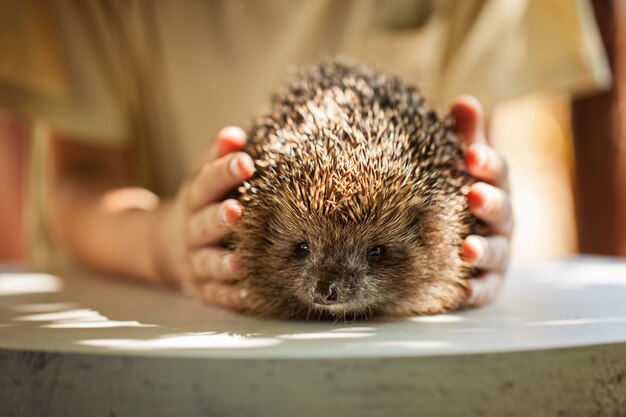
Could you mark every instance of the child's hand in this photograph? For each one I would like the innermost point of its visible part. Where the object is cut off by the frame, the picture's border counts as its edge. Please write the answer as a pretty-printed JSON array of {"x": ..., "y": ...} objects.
[
  {"x": 488, "y": 200},
  {"x": 194, "y": 224}
]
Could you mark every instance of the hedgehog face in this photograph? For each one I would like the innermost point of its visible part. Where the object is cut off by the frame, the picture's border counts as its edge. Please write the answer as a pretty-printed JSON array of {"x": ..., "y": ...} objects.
[
  {"x": 351, "y": 273},
  {"x": 339, "y": 268},
  {"x": 315, "y": 264}
]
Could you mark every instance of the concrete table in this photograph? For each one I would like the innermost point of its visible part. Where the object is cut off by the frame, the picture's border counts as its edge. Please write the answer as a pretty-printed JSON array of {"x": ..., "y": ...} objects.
[{"x": 553, "y": 344}]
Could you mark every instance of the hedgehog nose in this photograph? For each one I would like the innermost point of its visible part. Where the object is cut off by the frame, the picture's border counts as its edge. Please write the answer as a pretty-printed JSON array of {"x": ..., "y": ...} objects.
[{"x": 325, "y": 294}]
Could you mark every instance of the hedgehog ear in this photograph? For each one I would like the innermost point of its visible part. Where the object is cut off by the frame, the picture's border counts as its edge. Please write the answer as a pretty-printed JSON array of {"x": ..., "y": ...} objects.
[
  {"x": 416, "y": 214},
  {"x": 415, "y": 200}
]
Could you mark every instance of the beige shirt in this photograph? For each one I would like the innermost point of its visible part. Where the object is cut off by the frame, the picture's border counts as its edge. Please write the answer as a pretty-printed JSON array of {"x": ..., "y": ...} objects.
[{"x": 160, "y": 78}]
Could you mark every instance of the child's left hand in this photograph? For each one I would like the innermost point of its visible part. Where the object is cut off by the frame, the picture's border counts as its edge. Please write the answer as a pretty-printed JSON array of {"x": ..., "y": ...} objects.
[{"x": 488, "y": 200}]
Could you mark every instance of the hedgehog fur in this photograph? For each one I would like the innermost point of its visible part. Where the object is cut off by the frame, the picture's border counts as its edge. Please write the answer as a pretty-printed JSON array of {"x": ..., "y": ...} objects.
[{"x": 357, "y": 207}]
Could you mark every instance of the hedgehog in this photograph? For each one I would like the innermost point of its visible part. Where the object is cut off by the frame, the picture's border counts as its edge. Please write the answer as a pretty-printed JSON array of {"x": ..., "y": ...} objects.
[{"x": 357, "y": 208}]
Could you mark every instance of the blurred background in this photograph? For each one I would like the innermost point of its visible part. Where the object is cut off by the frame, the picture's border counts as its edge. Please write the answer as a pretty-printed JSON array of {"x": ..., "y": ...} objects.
[
  {"x": 567, "y": 164},
  {"x": 568, "y": 160}
]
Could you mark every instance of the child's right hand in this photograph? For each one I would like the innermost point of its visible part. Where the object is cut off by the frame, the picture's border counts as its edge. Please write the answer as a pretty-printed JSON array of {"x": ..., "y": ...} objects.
[{"x": 192, "y": 225}]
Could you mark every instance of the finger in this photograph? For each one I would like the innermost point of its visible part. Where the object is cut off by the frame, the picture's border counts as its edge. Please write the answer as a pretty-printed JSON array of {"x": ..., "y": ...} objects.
[
  {"x": 229, "y": 139},
  {"x": 224, "y": 295},
  {"x": 469, "y": 119},
  {"x": 211, "y": 224},
  {"x": 487, "y": 164},
  {"x": 487, "y": 253},
  {"x": 493, "y": 206},
  {"x": 217, "y": 178},
  {"x": 213, "y": 263},
  {"x": 484, "y": 289}
]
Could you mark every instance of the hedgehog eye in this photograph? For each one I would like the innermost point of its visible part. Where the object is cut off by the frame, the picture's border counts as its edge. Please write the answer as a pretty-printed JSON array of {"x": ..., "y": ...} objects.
[
  {"x": 375, "y": 253},
  {"x": 302, "y": 250}
]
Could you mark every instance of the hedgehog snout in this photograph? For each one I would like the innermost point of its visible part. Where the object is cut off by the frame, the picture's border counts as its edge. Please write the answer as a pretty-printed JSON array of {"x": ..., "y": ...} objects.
[
  {"x": 326, "y": 293},
  {"x": 334, "y": 284}
]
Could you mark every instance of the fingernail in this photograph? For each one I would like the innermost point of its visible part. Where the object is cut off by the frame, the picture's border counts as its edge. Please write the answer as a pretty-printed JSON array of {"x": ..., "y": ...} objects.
[
  {"x": 242, "y": 166},
  {"x": 232, "y": 212},
  {"x": 477, "y": 156},
  {"x": 471, "y": 249},
  {"x": 232, "y": 132},
  {"x": 235, "y": 264},
  {"x": 475, "y": 199},
  {"x": 232, "y": 263}
]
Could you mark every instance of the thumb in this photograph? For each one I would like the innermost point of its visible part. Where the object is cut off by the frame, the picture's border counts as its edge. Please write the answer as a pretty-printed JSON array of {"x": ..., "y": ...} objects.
[
  {"x": 228, "y": 140},
  {"x": 469, "y": 119}
]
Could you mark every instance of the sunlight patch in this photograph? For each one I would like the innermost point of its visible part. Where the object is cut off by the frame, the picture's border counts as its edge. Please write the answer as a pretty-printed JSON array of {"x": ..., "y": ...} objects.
[
  {"x": 16, "y": 284},
  {"x": 79, "y": 319},
  {"x": 576, "y": 322},
  {"x": 325, "y": 335},
  {"x": 96, "y": 324},
  {"x": 439, "y": 318},
  {"x": 185, "y": 341}
]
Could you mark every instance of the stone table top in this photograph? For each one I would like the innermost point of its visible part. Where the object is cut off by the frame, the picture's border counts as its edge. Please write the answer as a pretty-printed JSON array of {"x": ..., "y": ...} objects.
[
  {"x": 553, "y": 343},
  {"x": 570, "y": 303}
]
